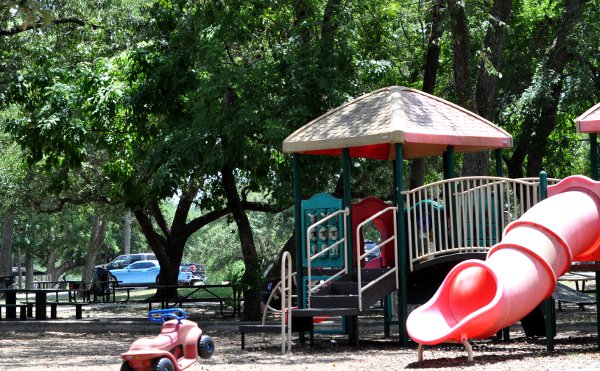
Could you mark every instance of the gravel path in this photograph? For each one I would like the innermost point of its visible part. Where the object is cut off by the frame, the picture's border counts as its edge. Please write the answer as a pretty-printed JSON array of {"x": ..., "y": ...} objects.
[{"x": 576, "y": 348}]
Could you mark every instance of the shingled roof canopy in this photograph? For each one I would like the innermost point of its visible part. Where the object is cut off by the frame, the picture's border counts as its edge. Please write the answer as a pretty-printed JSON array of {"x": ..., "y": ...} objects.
[
  {"x": 589, "y": 122},
  {"x": 371, "y": 124}
]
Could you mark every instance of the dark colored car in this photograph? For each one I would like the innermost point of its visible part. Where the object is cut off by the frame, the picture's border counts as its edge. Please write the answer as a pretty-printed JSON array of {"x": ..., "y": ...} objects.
[
  {"x": 198, "y": 272},
  {"x": 370, "y": 245}
]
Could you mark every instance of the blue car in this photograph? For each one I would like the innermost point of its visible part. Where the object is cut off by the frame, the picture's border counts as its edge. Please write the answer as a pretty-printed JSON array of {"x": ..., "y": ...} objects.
[{"x": 145, "y": 272}]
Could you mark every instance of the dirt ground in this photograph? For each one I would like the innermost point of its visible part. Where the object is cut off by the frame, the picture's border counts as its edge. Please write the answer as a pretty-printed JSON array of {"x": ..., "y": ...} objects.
[{"x": 68, "y": 348}]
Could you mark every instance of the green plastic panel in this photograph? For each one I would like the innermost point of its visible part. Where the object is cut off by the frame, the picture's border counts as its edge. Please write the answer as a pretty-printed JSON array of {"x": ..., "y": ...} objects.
[{"x": 317, "y": 208}]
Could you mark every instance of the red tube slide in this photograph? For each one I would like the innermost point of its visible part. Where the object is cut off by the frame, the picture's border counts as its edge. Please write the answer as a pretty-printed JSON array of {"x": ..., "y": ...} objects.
[{"x": 478, "y": 298}]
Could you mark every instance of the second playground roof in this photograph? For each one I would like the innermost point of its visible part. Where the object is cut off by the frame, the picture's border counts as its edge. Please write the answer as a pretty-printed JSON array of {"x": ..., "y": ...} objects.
[
  {"x": 370, "y": 125},
  {"x": 589, "y": 122}
]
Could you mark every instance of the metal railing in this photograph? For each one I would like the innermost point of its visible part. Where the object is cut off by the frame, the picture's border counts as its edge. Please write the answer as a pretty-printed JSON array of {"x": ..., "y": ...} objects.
[
  {"x": 286, "y": 301},
  {"x": 310, "y": 258},
  {"x": 361, "y": 257},
  {"x": 464, "y": 214}
]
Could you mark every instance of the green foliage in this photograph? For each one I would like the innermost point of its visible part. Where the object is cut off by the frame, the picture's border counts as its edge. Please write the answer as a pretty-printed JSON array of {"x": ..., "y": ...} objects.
[{"x": 151, "y": 99}]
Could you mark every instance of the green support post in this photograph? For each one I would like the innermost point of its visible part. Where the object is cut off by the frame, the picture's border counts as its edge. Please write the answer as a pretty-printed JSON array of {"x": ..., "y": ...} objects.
[
  {"x": 401, "y": 254},
  {"x": 499, "y": 171},
  {"x": 298, "y": 227},
  {"x": 449, "y": 163},
  {"x": 298, "y": 236},
  {"x": 347, "y": 202},
  {"x": 594, "y": 156},
  {"x": 351, "y": 321},
  {"x": 549, "y": 303}
]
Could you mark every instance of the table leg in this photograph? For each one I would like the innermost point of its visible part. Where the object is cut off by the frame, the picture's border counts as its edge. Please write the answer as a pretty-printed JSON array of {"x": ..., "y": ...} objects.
[
  {"x": 40, "y": 305},
  {"x": 11, "y": 312}
]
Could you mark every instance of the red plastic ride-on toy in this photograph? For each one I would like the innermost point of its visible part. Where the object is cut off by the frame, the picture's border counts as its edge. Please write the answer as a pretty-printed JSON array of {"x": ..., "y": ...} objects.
[{"x": 178, "y": 345}]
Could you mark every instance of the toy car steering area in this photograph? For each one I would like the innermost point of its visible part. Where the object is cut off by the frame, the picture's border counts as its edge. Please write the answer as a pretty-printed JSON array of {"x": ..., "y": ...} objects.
[
  {"x": 162, "y": 315},
  {"x": 177, "y": 347}
]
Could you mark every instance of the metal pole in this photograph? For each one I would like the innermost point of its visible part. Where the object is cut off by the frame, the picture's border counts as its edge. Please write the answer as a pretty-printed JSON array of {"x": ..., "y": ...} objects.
[
  {"x": 298, "y": 228},
  {"x": 351, "y": 321},
  {"x": 347, "y": 203},
  {"x": 401, "y": 254},
  {"x": 298, "y": 238},
  {"x": 594, "y": 156},
  {"x": 498, "y": 153},
  {"x": 549, "y": 303}
]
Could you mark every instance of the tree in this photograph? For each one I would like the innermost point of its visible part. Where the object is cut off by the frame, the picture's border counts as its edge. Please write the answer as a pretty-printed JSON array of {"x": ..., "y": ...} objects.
[
  {"x": 541, "y": 100},
  {"x": 418, "y": 166},
  {"x": 490, "y": 59}
]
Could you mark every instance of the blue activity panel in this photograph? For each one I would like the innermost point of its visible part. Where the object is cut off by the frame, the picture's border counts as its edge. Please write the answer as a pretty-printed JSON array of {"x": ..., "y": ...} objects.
[{"x": 325, "y": 234}]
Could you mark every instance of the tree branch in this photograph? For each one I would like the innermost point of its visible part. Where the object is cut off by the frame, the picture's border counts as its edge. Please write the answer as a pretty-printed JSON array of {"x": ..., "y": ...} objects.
[
  {"x": 28, "y": 27},
  {"x": 159, "y": 217}
]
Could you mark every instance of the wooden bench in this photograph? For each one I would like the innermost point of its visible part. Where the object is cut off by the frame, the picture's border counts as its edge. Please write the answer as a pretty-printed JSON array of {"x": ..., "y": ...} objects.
[
  {"x": 78, "y": 309},
  {"x": 22, "y": 310},
  {"x": 54, "y": 308},
  {"x": 299, "y": 324},
  {"x": 566, "y": 294}
]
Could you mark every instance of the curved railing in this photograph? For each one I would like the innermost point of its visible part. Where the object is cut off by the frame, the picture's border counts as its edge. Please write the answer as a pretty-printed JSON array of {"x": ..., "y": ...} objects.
[
  {"x": 464, "y": 214},
  {"x": 310, "y": 258},
  {"x": 361, "y": 257}
]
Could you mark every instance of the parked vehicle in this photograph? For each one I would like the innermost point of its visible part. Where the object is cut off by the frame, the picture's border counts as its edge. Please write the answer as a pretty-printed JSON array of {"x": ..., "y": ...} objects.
[
  {"x": 146, "y": 272},
  {"x": 198, "y": 273},
  {"x": 123, "y": 261},
  {"x": 370, "y": 245},
  {"x": 177, "y": 347}
]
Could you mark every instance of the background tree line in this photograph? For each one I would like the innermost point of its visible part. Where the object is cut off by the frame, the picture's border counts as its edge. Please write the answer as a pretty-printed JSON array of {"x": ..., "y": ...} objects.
[{"x": 177, "y": 109}]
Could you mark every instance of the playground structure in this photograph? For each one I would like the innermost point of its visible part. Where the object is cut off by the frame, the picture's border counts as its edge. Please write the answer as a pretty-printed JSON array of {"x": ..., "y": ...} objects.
[
  {"x": 477, "y": 298},
  {"x": 454, "y": 219}
]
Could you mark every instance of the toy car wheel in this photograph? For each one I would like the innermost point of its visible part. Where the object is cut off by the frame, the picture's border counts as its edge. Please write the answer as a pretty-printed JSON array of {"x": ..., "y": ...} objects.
[
  {"x": 163, "y": 364},
  {"x": 206, "y": 347},
  {"x": 126, "y": 367}
]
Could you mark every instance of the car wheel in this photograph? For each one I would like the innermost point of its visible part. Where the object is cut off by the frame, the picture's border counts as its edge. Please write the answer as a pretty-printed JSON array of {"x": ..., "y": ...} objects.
[
  {"x": 126, "y": 367},
  {"x": 206, "y": 347},
  {"x": 163, "y": 364}
]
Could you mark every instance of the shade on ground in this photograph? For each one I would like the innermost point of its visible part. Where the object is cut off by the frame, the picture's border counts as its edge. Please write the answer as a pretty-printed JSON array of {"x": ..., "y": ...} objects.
[
  {"x": 589, "y": 122},
  {"x": 370, "y": 125}
]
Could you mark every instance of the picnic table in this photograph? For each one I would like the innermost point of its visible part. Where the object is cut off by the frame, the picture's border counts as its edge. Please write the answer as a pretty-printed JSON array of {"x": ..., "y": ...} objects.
[
  {"x": 208, "y": 292},
  {"x": 41, "y": 301}
]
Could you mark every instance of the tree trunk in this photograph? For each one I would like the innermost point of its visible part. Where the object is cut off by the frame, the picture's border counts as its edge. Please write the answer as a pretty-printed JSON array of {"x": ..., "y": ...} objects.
[
  {"x": 6, "y": 250},
  {"x": 127, "y": 233},
  {"x": 477, "y": 163},
  {"x": 168, "y": 249},
  {"x": 473, "y": 163},
  {"x": 29, "y": 272},
  {"x": 418, "y": 167},
  {"x": 169, "y": 242},
  {"x": 97, "y": 235},
  {"x": 51, "y": 270},
  {"x": 540, "y": 119},
  {"x": 489, "y": 67},
  {"x": 251, "y": 279},
  {"x": 461, "y": 55}
]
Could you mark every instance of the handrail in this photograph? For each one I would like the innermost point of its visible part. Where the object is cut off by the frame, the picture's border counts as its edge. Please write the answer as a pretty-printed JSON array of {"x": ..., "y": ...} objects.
[
  {"x": 274, "y": 292},
  {"x": 309, "y": 258},
  {"x": 377, "y": 248},
  {"x": 286, "y": 301}
]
